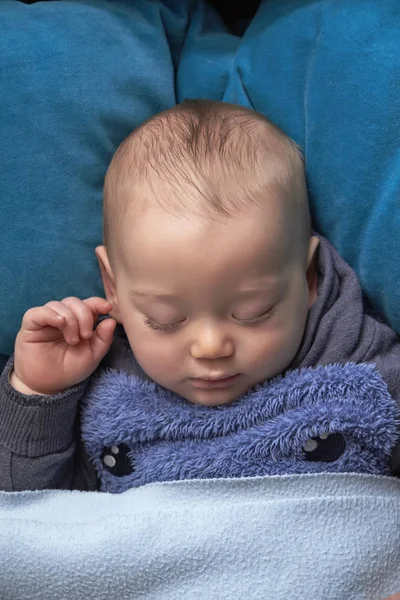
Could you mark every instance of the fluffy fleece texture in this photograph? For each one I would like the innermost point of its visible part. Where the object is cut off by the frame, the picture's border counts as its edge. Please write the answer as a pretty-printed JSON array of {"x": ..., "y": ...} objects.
[{"x": 265, "y": 432}]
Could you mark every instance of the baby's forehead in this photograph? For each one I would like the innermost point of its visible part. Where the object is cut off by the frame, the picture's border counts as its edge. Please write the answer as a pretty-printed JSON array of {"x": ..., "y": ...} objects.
[{"x": 158, "y": 239}]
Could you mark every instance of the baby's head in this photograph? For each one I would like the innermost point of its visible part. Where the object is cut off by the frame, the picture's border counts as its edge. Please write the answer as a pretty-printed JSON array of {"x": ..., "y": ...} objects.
[{"x": 209, "y": 260}]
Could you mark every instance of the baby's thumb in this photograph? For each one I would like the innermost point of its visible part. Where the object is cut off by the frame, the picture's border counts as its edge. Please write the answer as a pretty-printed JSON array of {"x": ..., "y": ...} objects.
[{"x": 102, "y": 338}]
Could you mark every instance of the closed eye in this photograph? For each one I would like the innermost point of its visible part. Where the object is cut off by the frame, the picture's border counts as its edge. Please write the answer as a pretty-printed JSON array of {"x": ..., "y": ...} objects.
[
  {"x": 257, "y": 319},
  {"x": 162, "y": 326},
  {"x": 155, "y": 325}
]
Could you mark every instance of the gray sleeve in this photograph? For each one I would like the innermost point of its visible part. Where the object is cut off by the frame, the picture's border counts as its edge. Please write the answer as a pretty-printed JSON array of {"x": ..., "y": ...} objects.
[{"x": 40, "y": 445}]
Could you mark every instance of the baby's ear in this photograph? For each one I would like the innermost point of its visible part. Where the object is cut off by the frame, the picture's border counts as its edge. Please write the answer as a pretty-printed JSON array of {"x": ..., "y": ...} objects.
[
  {"x": 312, "y": 251},
  {"x": 312, "y": 274},
  {"x": 108, "y": 278}
]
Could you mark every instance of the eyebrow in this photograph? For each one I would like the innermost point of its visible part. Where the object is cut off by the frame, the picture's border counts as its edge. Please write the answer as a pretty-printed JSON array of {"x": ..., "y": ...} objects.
[
  {"x": 169, "y": 296},
  {"x": 256, "y": 289},
  {"x": 145, "y": 294}
]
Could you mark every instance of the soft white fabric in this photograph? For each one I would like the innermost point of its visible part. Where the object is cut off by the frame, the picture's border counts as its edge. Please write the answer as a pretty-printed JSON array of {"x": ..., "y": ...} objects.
[{"x": 301, "y": 537}]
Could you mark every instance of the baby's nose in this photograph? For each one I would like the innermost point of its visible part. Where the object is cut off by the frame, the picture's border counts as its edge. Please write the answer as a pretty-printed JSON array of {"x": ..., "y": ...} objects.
[{"x": 212, "y": 343}]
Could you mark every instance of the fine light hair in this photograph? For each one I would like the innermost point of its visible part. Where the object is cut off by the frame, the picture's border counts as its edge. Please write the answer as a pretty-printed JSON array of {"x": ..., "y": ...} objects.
[{"x": 204, "y": 160}]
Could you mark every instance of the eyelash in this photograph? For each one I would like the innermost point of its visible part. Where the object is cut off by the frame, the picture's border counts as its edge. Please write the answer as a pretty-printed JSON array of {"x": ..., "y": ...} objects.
[
  {"x": 259, "y": 319},
  {"x": 172, "y": 326},
  {"x": 161, "y": 326}
]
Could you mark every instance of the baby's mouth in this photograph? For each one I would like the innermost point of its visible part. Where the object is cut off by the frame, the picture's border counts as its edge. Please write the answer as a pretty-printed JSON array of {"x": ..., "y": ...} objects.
[{"x": 214, "y": 383}]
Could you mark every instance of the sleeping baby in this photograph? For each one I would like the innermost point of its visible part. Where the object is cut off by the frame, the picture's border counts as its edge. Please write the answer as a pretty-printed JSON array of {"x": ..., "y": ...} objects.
[{"x": 218, "y": 293}]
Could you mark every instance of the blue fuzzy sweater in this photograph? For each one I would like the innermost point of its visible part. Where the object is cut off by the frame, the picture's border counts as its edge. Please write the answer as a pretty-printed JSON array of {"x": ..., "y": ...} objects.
[{"x": 336, "y": 418}]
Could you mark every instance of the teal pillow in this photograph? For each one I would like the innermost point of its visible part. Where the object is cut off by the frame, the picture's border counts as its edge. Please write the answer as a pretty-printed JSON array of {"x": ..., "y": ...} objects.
[
  {"x": 328, "y": 73},
  {"x": 3, "y": 361},
  {"x": 75, "y": 78}
]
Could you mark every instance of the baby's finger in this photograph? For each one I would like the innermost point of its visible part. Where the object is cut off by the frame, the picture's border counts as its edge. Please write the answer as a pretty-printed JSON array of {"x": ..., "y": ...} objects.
[
  {"x": 42, "y": 316},
  {"x": 70, "y": 328},
  {"x": 98, "y": 306},
  {"x": 83, "y": 314},
  {"x": 102, "y": 338}
]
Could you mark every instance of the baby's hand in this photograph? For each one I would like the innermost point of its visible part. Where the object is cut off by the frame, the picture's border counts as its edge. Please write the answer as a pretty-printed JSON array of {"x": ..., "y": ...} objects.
[{"x": 57, "y": 347}]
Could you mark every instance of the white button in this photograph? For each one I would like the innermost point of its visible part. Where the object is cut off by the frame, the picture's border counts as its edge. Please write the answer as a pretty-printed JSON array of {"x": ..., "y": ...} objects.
[
  {"x": 310, "y": 445},
  {"x": 109, "y": 461},
  {"x": 324, "y": 436},
  {"x": 114, "y": 449}
]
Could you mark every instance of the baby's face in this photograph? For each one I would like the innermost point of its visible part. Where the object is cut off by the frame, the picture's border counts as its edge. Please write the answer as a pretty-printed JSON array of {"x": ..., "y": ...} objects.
[{"x": 211, "y": 310}]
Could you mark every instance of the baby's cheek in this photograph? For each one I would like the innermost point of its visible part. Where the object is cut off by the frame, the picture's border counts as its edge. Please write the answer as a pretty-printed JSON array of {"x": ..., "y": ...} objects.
[
  {"x": 273, "y": 349},
  {"x": 157, "y": 357}
]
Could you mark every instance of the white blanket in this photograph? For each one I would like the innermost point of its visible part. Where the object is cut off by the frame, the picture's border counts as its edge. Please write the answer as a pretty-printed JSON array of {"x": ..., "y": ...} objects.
[{"x": 299, "y": 537}]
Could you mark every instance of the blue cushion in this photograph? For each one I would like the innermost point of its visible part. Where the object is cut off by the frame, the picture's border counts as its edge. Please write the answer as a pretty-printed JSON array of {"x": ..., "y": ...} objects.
[
  {"x": 3, "y": 361},
  {"x": 328, "y": 73},
  {"x": 75, "y": 78}
]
